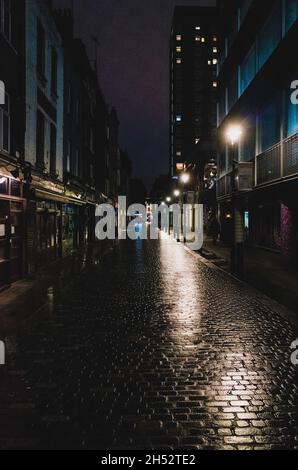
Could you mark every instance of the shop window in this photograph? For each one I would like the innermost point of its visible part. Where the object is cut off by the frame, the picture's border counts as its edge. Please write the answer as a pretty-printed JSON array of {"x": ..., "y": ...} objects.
[{"x": 270, "y": 35}]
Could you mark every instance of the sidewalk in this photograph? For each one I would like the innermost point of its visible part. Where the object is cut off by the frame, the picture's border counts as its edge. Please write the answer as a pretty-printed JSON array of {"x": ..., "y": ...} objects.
[
  {"x": 263, "y": 269},
  {"x": 22, "y": 305}
]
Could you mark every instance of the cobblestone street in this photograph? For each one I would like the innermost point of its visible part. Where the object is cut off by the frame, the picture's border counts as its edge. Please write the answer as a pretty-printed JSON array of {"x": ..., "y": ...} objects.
[{"x": 151, "y": 349}]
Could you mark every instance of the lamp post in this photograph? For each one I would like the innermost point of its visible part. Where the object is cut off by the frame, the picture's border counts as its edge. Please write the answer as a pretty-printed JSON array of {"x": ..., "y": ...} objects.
[
  {"x": 184, "y": 180},
  {"x": 233, "y": 135}
]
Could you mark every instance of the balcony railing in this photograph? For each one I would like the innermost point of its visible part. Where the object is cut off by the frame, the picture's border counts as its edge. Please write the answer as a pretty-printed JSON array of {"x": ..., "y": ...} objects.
[
  {"x": 278, "y": 162},
  {"x": 269, "y": 165}
]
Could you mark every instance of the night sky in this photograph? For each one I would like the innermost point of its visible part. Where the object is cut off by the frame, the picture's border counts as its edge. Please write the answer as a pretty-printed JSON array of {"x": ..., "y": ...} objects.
[{"x": 133, "y": 61}]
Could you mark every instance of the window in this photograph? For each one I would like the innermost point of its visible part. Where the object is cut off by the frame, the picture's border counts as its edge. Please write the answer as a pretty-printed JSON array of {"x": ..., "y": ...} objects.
[
  {"x": 291, "y": 15},
  {"x": 292, "y": 117},
  {"x": 41, "y": 47},
  {"x": 270, "y": 35},
  {"x": 180, "y": 166},
  {"x": 198, "y": 28},
  {"x": 77, "y": 116},
  {"x": 178, "y": 154},
  {"x": 214, "y": 84},
  {"x": 197, "y": 140},
  {"x": 198, "y": 38},
  {"x": 5, "y": 124},
  {"x": 248, "y": 69},
  {"x": 5, "y": 18},
  {"x": 178, "y": 37},
  {"x": 178, "y": 118},
  {"x": 76, "y": 163},
  {"x": 68, "y": 156},
  {"x": 233, "y": 91},
  {"x": 91, "y": 145},
  {"x": 270, "y": 124},
  {"x": 203, "y": 39},
  {"x": 178, "y": 61},
  {"x": 40, "y": 138},
  {"x": 68, "y": 99},
  {"x": 214, "y": 49},
  {"x": 214, "y": 38},
  {"x": 54, "y": 72},
  {"x": 53, "y": 147},
  {"x": 178, "y": 49},
  {"x": 214, "y": 61}
]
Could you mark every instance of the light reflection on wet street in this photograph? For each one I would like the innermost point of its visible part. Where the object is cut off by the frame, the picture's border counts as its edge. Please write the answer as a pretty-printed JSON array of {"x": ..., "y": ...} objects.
[{"x": 152, "y": 348}]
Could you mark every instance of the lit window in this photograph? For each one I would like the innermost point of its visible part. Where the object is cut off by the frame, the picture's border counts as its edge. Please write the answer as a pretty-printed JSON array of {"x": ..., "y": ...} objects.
[
  {"x": 178, "y": 61},
  {"x": 178, "y": 37},
  {"x": 198, "y": 28},
  {"x": 178, "y": 118},
  {"x": 178, "y": 49},
  {"x": 180, "y": 166},
  {"x": 214, "y": 61},
  {"x": 209, "y": 62},
  {"x": 198, "y": 38},
  {"x": 178, "y": 154},
  {"x": 202, "y": 39},
  {"x": 214, "y": 84},
  {"x": 197, "y": 141},
  {"x": 214, "y": 50},
  {"x": 214, "y": 38}
]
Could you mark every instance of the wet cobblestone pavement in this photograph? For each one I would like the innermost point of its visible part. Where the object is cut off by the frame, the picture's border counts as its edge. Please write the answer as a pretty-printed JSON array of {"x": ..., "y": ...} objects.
[{"x": 152, "y": 349}]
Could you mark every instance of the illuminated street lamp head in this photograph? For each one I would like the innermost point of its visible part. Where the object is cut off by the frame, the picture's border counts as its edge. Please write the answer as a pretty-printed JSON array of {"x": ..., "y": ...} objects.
[
  {"x": 234, "y": 133},
  {"x": 176, "y": 193},
  {"x": 185, "y": 178},
  {"x": 168, "y": 199}
]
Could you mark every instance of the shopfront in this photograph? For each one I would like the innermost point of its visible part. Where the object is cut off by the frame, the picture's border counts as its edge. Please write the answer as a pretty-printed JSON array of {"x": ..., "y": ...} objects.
[
  {"x": 43, "y": 233},
  {"x": 11, "y": 229}
]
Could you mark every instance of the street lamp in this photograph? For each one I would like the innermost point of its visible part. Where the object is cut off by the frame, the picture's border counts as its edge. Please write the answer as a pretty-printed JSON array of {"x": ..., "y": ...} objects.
[
  {"x": 234, "y": 134},
  {"x": 185, "y": 178},
  {"x": 176, "y": 193},
  {"x": 168, "y": 199}
]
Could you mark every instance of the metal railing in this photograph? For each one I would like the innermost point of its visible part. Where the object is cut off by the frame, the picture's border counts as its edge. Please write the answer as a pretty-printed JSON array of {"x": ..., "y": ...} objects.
[{"x": 278, "y": 162}]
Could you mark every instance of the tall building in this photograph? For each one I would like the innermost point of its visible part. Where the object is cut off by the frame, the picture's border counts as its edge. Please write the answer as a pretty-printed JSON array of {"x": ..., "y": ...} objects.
[
  {"x": 257, "y": 74},
  {"x": 193, "y": 88}
]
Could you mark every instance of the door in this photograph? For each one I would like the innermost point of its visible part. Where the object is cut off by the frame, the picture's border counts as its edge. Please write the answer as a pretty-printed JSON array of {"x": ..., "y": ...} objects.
[{"x": 4, "y": 244}]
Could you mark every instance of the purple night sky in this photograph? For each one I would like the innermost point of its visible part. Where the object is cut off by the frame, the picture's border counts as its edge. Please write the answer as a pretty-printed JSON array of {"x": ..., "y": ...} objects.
[{"x": 134, "y": 71}]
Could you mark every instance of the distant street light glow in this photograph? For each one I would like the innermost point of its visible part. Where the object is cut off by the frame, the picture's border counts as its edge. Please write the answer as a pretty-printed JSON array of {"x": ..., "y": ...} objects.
[
  {"x": 176, "y": 193},
  {"x": 185, "y": 178}
]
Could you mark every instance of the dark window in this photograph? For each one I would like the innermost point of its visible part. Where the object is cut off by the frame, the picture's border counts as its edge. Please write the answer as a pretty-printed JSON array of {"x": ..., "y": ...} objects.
[
  {"x": 5, "y": 124},
  {"x": 68, "y": 99},
  {"x": 54, "y": 72},
  {"x": 5, "y": 18},
  {"x": 40, "y": 137},
  {"x": 53, "y": 149},
  {"x": 40, "y": 49}
]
